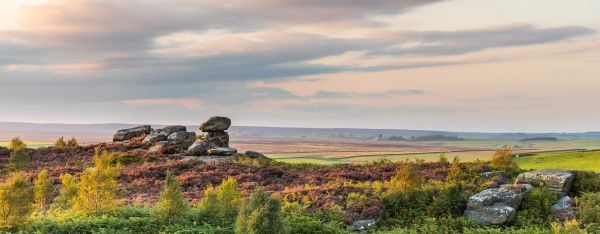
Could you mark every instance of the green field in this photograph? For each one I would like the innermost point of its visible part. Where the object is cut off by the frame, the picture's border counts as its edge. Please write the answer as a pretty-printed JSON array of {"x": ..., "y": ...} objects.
[
  {"x": 32, "y": 144},
  {"x": 589, "y": 161}
]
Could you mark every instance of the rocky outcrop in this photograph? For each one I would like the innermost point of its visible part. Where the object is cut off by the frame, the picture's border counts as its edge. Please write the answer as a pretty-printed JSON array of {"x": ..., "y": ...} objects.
[
  {"x": 522, "y": 188},
  {"x": 130, "y": 133},
  {"x": 183, "y": 139},
  {"x": 496, "y": 206},
  {"x": 216, "y": 139},
  {"x": 558, "y": 181},
  {"x": 364, "y": 224}
]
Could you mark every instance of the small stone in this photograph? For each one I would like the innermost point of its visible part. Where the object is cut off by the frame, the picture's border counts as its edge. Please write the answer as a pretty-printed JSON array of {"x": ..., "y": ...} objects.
[{"x": 364, "y": 224}]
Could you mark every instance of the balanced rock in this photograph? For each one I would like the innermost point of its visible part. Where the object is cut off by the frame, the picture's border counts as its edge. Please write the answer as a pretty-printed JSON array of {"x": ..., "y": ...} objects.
[
  {"x": 557, "y": 181},
  {"x": 218, "y": 138},
  {"x": 222, "y": 151},
  {"x": 130, "y": 133},
  {"x": 184, "y": 139},
  {"x": 216, "y": 123},
  {"x": 494, "y": 206}
]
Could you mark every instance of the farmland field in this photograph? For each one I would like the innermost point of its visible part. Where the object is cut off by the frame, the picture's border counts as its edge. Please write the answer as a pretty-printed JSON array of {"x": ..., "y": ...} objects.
[{"x": 589, "y": 161}]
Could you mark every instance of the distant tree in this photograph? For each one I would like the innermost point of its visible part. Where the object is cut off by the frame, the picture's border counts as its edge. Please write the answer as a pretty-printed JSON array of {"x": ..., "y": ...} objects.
[
  {"x": 68, "y": 192},
  {"x": 97, "y": 188},
  {"x": 72, "y": 142},
  {"x": 260, "y": 215},
  {"x": 171, "y": 206},
  {"x": 60, "y": 142},
  {"x": 16, "y": 197},
  {"x": 43, "y": 188},
  {"x": 16, "y": 144},
  {"x": 223, "y": 200},
  {"x": 503, "y": 160}
]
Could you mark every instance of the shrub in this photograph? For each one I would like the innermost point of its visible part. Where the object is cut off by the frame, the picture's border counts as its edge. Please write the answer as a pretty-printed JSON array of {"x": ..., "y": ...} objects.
[
  {"x": 503, "y": 160},
  {"x": 16, "y": 197},
  {"x": 298, "y": 220},
  {"x": 68, "y": 192},
  {"x": 18, "y": 160},
  {"x": 447, "y": 201},
  {"x": 171, "y": 206},
  {"x": 443, "y": 158},
  {"x": 458, "y": 175},
  {"x": 407, "y": 178},
  {"x": 16, "y": 144},
  {"x": 97, "y": 188},
  {"x": 260, "y": 215},
  {"x": 60, "y": 142},
  {"x": 536, "y": 208},
  {"x": 586, "y": 181},
  {"x": 72, "y": 142},
  {"x": 589, "y": 208},
  {"x": 406, "y": 207},
  {"x": 223, "y": 201},
  {"x": 569, "y": 227},
  {"x": 44, "y": 187}
]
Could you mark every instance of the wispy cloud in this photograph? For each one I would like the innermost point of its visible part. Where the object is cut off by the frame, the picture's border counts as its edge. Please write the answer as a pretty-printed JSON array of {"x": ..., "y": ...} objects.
[{"x": 189, "y": 103}]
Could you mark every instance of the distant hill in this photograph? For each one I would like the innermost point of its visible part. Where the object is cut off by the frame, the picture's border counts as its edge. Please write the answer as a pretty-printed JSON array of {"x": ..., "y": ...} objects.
[{"x": 103, "y": 132}]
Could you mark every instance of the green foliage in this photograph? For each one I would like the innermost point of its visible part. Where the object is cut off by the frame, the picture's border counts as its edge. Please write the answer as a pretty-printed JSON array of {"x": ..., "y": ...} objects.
[
  {"x": 16, "y": 197},
  {"x": 44, "y": 188},
  {"x": 536, "y": 208},
  {"x": 68, "y": 192},
  {"x": 171, "y": 206},
  {"x": 406, "y": 206},
  {"x": 97, "y": 188},
  {"x": 72, "y": 142},
  {"x": 60, "y": 142},
  {"x": 223, "y": 201},
  {"x": 405, "y": 179},
  {"x": 460, "y": 175},
  {"x": 569, "y": 227},
  {"x": 503, "y": 160},
  {"x": 18, "y": 160},
  {"x": 124, "y": 158},
  {"x": 16, "y": 144},
  {"x": 447, "y": 201},
  {"x": 589, "y": 208},
  {"x": 299, "y": 220},
  {"x": 586, "y": 181},
  {"x": 260, "y": 215},
  {"x": 443, "y": 158}
]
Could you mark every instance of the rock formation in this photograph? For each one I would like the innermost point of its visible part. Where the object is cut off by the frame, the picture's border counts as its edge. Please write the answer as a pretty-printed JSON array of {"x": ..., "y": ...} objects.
[
  {"x": 216, "y": 139},
  {"x": 130, "y": 133},
  {"x": 494, "y": 206},
  {"x": 557, "y": 181}
]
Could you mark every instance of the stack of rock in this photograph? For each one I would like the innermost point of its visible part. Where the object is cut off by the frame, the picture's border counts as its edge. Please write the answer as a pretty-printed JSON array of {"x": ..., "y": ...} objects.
[
  {"x": 174, "y": 136},
  {"x": 216, "y": 139}
]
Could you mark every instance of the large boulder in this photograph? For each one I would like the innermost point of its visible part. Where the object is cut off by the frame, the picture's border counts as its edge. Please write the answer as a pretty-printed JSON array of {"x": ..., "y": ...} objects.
[
  {"x": 173, "y": 128},
  {"x": 130, "y": 133},
  {"x": 216, "y": 123},
  {"x": 564, "y": 209},
  {"x": 154, "y": 137},
  {"x": 222, "y": 151},
  {"x": 496, "y": 206},
  {"x": 199, "y": 148},
  {"x": 557, "y": 181},
  {"x": 254, "y": 154},
  {"x": 218, "y": 138},
  {"x": 183, "y": 139}
]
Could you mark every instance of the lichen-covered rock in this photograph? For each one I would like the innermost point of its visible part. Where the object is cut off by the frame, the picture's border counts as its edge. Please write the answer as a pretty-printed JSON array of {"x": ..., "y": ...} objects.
[
  {"x": 494, "y": 206},
  {"x": 154, "y": 137},
  {"x": 364, "y": 224},
  {"x": 130, "y": 133},
  {"x": 222, "y": 151},
  {"x": 168, "y": 130},
  {"x": 564, "y": 209},
  {"x": 557, "y": 181},
  {"x": 183, "y": 139},
  {"x": 216, "y": 123},
  {"x": 199, "y": 148},
  {"x": 218, "y": 138},
  {"x": 522, "y": 188},
  {"x": 500, "y": 175}
]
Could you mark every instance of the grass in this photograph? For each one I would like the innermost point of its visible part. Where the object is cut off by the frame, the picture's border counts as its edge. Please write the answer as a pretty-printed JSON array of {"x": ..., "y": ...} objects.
[
  {"x": 589, "y": 161},
  {"x": 32, "y": 144}
]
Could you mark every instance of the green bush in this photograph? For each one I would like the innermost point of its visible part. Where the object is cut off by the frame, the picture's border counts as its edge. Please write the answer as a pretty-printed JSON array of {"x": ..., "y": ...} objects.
[
  {"x": 223, "y": 201},
  {"x": 503, "y": 160},
  {"x": 406, "y": 207},
  {"x": 44, "y": 188},
  {"x": 16, "y": 198},
  {"x": 299, "y": 220},
  {"x": 447, "y": 201},
  {"x": 589, "y": 208},
  {"x": 406, "y": 178},
  {"x": 18, "y": 160},
  {"x": 536, "y": 208},
  {"x": 260, "y": 215},
  {"x": 60, "y": 143},
  {"x": 68, "y": 192},
  {"x": 16, "y": 144},
  {"x": 72, "y": 142},
  {"x": 586, "y": 182},
  {"x": 171, "y": 205}
]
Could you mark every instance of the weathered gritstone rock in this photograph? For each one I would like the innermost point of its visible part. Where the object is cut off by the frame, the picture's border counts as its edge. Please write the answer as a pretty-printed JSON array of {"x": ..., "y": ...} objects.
[
  {"x": 494, "y": 206},
  {"x": 183, "y": 139},
  {"x": 130, "y": 133},
  {"x": 216, "y": 123},
  {"x": 154, "y": 137},
  {"x": 199, "y": 148},
  {"x": 254, "y": 154},
  {"x": 218, "y": 138},
  {"x": 222, "y": 151},
  {"x": 168, "y": 130},
  {"x": 361, "y": 225},
  {"x": 557, "y": 181},
  {"x": 564, "y": 209},
  {"x": 522, "y": 188},
  {"x": 496, "y": 174}
]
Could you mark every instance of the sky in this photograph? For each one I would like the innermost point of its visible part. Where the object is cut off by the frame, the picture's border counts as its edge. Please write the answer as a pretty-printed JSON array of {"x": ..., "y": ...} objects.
[{"x": 457, "y": 65}]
